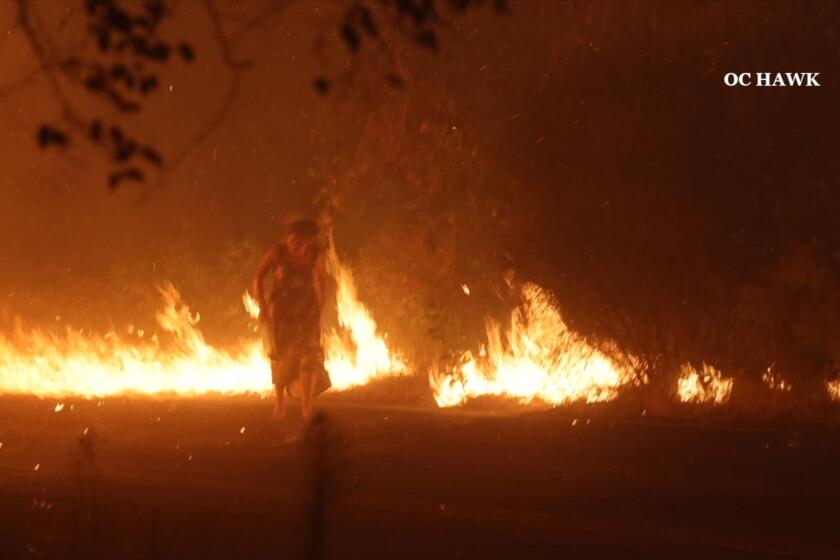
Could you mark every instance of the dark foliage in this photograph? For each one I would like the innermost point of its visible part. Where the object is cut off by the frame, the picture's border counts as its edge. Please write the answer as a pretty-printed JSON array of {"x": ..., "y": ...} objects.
[
  {"x": 128, "y": 174},
  {"x": 186, "y": 52},
  {"x": 122, "y": 71},
  {"x": 321, "y": 85},
  {"x": 681, "y": 221},
  {"x": 50, "y": 136},
  {"x": 419, "y": 21}
]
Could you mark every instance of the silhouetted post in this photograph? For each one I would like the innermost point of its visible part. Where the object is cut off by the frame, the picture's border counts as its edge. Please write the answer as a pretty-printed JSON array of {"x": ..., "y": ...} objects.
[{"x": 318, "y": 475}]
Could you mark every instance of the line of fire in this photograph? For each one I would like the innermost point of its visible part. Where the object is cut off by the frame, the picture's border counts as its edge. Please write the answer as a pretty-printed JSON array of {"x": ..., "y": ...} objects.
[{"x": 419, "y": 279}]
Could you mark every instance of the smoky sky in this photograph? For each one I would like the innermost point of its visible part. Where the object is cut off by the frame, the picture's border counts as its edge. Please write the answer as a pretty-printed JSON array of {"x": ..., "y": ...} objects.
[{"x": 643, "y": 171}]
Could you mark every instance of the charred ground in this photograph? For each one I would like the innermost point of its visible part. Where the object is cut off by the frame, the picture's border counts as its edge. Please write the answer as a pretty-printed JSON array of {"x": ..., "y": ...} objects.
[{"x": 180, "y": 479}]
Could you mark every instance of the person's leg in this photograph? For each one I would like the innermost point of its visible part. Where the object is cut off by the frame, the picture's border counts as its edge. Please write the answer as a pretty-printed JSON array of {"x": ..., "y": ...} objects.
[
  {"x": 307, "y": 390},
  {"x": 311, "y": 364},
  {"x": 279, "y": 412}
]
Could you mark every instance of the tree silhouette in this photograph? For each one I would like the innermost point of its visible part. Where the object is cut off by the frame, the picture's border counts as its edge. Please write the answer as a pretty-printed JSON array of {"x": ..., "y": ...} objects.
[{"x": 122, "y": 72}]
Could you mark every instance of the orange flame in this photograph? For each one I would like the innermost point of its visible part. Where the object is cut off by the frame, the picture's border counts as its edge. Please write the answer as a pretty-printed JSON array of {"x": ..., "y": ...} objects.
[
  {"x": 37, "y": 362},
  {"x": 834, "y": 389},
  {"x": 365, "y": 355},
  {"x": 86, "y": 365},
  {"x": 705, "y": 386},
  {"x": 776, "y": 381},
  {"x": 539, "y": 359}
]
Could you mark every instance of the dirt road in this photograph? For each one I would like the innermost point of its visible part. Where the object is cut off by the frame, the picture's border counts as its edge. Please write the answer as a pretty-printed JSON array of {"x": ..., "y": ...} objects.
[{"x": 213, "y": 478}]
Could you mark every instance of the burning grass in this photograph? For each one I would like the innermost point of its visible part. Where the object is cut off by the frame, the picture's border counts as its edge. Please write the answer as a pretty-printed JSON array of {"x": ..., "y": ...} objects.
[
  {"x": 80, "y": 364},
  {"x": 538, "y": 358},
  {"x": 706, "y": 385}
]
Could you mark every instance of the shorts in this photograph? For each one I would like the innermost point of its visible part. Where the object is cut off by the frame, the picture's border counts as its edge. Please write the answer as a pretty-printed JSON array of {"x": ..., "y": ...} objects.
[{"x": 288, "y": 364}]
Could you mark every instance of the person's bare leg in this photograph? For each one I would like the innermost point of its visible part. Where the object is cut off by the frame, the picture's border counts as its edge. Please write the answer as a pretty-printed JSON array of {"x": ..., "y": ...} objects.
[
  {"x": 307, "y": 390},
  {"x": 279, "y": 412}
]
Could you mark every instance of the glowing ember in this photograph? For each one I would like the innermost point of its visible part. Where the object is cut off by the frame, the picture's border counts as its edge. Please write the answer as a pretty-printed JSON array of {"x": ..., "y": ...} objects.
[
  {"x": 37, "y": 362},
  {"x": 251, "y": 305},
  {"x": 540, "y": 358},
  {"x": 775, "y": 381},
  {"x": 834, "y": 389},
  {"x": 706, "y": 386}
]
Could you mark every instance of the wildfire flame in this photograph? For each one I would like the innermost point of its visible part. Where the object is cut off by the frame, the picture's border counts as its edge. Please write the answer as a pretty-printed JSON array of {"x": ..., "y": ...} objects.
[
  {"x": 78, "y": 364},
  {"x": 705, "y": 386},
  {"x": 834, "y": 389},
  {"x": 776, "y": 381},
  {"x": 41, "y": 363},
  {"x": 252, "y": 307},
  {"x": 355, "y": 353},
  {"x": 539, "y": 358}
]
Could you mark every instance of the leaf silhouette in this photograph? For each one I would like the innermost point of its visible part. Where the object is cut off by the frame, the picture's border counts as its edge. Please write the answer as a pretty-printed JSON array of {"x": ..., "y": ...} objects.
[
  {"x": 95, "y": 82},
  {"x": 148, "y": 84},
  {"x": 394, "y": 79},
  {"x": 186, "y": 52},
  {"x": 156, "y": 10},
  {"x": 95, "y": 131},
  {"x": 427, "y": 38},
  {"x": 367, "y": 21},
  {"x": 128, "y": 174},
  {"x": 152, "y": 155},
  {"x": 124, "y": 152},
  {"x": 118, "y": 71},
  {"x": 351, "y": 37},
  {"x": 321, "y": 85},
  {"x": 48, "y": 135}
]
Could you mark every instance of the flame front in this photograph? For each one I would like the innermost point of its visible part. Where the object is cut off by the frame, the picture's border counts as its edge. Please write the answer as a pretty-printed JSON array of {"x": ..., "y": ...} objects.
[
  {"x": 355, "y": 353},
  {"x": 833, "y": 388},
  {"x": 84, "y": 365},
  {"x": 540, "y": 358},
  {"x": 79, "y": 364},
  {"x": 705, "y": 386},
  {"x": 776, "y": 382}
]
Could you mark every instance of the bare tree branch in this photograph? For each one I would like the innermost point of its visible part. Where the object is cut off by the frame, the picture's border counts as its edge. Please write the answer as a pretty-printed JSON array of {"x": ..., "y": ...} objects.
[
  {"x": 117, "y": 72},
  {"x": 235, "y": 66},
  {"x": 47, "y": 62},
  {"x": 260, "y": 19},
  {"x": 30, "y": 77}
]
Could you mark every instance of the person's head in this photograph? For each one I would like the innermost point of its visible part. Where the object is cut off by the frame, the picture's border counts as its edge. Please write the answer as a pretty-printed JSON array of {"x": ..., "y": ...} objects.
[{"x": 302, "y": 238}]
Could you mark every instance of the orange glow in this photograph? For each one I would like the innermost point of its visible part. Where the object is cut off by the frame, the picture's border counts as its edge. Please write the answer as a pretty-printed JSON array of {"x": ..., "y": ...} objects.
[
  {"x": 539, "y": 358},
  {"x": 705, "y": 386},
  {"x": 252, "y": 308},
  {"x": 80, "y": 364},
  {"x": 775, "y": 381},
  {"x": 834, "y": 389},
  {"x": 355, "y": 353},
  {"x": 85, "y": 365}
]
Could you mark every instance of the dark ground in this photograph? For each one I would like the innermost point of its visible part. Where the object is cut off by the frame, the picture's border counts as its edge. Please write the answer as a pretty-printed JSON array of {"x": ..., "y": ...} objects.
[{"x": 177, "y": 479}]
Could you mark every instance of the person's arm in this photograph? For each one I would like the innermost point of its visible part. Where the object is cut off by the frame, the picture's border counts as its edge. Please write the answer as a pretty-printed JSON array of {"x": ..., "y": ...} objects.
[
  {"x": 320, "y": 279},
  {"x": 268, "y": 263}
]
